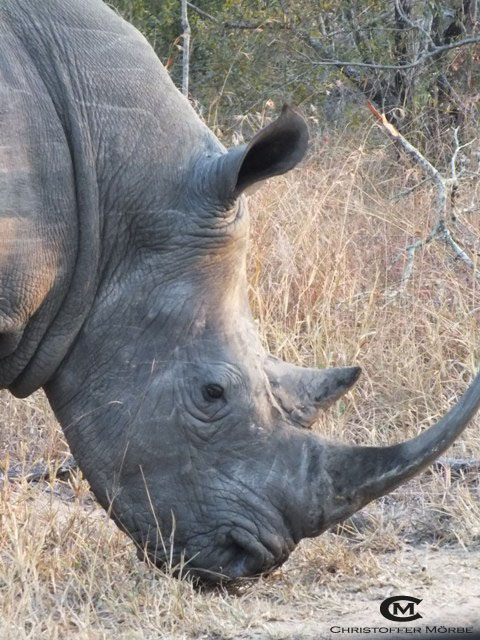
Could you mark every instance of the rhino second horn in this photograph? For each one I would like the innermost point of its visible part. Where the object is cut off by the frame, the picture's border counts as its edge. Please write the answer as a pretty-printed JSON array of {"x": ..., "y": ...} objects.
[{"x": 304, "y": 393}]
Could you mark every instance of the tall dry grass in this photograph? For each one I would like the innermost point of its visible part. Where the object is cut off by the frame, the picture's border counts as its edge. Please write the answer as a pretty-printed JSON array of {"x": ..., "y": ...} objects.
[{"x": 327, "y": 253}]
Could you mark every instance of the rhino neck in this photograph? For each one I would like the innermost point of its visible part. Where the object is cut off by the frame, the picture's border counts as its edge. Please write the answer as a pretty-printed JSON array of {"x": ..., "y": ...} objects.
[{"x": 106, "y": 163}]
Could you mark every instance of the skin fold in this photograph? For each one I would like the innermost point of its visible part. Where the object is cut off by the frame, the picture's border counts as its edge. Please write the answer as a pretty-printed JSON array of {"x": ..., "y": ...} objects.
[{"x": 124, "y": 229}]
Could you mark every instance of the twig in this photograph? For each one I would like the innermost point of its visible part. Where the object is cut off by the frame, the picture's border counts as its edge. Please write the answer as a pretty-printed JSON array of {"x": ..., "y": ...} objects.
[
  {"x": 236, "y": 25},
  {"x": 435, "y": 49},
  {"x": 453, "y": 170},
  {"x": 414, "y": 153},
  {"x": 398, "y": 67},
  {"x": 405, "y": 192},
  {"x": 202, "y": 13},
  {"x": 412, "y": 24},
  {"x": 456, "y": 465},
  {"x": 458, "y": 147},
  {"x": 457, "y": 250},
  {"x": 42, "y": 471},
  {"x": 410, "y": 250}
]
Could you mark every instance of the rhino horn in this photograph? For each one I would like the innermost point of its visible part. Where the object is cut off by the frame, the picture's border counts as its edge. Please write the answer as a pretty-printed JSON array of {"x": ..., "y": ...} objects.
[
  {"x": 346, "y": 478},
  {"x": 303, "y": 393}
]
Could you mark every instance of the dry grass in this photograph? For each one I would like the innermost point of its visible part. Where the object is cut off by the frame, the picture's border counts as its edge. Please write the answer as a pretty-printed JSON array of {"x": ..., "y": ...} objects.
[{"x": 322, "y": 269}]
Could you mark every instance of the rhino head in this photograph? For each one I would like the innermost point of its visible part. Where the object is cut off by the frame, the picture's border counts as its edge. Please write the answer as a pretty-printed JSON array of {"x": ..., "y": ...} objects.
[
  {"x": 191, "y": 435},
  {"x": 183, "y": 424},
  {"x": 129, "y": 306}
]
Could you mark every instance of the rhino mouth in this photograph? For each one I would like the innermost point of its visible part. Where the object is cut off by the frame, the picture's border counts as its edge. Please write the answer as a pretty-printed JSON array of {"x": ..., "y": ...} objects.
[
  {"x": 240, "y": 555},
  {"x": 251, "y": 556}
]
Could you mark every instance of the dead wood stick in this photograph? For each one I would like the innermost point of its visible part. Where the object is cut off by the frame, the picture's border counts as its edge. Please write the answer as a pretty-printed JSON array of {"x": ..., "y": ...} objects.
[
  {"x": 456, "y": 465},
  {"x": 41, "y": 471}
]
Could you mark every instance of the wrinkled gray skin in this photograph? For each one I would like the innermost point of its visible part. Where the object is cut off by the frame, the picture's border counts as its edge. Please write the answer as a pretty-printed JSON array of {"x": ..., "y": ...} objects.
[{"x": 123, "y": 234}]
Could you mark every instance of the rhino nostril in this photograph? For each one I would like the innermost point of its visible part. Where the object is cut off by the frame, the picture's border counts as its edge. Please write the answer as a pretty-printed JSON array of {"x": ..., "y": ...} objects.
[
  {"x": 241, "y": 566},
  {"x": 248, "y": 556}
]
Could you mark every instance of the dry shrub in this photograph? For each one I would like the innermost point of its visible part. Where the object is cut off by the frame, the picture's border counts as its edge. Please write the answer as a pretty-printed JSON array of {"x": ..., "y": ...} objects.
[{"x": 328, "y": 250}]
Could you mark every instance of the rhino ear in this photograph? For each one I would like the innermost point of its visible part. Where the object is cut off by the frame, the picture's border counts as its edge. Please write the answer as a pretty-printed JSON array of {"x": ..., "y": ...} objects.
[{"x": 274, "y": 150}]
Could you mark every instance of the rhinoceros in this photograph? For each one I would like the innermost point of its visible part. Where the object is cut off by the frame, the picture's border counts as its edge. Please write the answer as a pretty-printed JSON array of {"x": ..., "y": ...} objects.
[{"x": 123, "y": 238}]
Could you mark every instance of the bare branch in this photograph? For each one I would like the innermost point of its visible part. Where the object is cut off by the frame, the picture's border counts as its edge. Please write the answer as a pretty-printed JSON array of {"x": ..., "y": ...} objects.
[
  {"x": 411, "y": 249},
  {"x": 406, "y": 192},
  {"x": 440, "y": 230},
  {"x": 457, "y": 466},
  {"x": 202, "y": 13},
  {"x": 414, "y": 153},
  {"x": 458, "y": 147},
  {"x": 186, "y": 47},
  {"x": 410, "y": 23},
  {"x": 41, "y": 471},
  {"x": 457, "y": 250},
  {"x": 236, "y": 25},
  {"x": 397, "y": 67}
]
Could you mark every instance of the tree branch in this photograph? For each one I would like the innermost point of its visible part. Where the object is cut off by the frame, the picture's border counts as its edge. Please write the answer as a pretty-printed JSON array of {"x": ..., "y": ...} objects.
[
  {"x": 440, "y": 230},
  {"x": 236, "y": 25},
  {"x": 202, "y": 13},
  {"x": 186, "y": 47},
  {"x": 410, "y": 23},
  {"x": 397, "y": 67}
]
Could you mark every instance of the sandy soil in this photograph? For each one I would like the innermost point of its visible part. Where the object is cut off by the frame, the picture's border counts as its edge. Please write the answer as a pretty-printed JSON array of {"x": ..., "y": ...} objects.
[
  {"x": 447, "y": 581},
  {"x": 332, "y": 586}
]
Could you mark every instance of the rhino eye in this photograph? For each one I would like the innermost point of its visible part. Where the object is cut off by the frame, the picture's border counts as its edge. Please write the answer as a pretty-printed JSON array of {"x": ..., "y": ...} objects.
[{"x": 212, "y": 391}]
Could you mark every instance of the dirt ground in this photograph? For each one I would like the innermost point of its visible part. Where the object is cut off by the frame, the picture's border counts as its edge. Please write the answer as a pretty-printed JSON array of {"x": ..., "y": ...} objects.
[
  {"x": 331, "y": 587},
  {"x": 446, "y": 580}
]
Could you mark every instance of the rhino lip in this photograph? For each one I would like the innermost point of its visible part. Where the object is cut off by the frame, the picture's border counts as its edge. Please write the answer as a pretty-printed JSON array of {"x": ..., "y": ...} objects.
[
  {"x": 250, "y": 556},
  {"x": 242, "y": 555},
  {"x": 247, "y": 556}
]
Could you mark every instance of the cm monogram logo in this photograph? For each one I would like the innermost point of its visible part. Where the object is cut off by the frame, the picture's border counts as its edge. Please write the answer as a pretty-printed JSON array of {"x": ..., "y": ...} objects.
[{"x": 400, "y": 608}]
